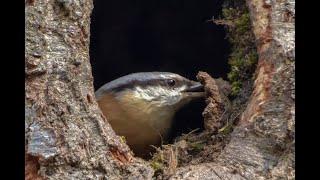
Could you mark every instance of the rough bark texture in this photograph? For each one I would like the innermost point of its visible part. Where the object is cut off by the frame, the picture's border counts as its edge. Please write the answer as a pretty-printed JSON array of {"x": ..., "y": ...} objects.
[
  {"x": 67, "y": 137},
  {"x": 262, "y": 144},
  {"x": 218, "y": 104}
]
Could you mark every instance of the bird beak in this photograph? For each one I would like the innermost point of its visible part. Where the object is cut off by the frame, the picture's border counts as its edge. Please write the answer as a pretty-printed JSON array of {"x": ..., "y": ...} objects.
[{"x": 195, "y": 90}]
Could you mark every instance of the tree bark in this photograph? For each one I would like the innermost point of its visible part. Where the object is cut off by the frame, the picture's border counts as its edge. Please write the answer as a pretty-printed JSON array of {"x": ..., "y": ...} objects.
[
  {"x": 262, "y": 144},
  {"x": 67, "y": 137}
]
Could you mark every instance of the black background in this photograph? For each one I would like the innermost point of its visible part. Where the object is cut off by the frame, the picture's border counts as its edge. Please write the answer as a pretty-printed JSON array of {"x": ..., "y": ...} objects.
[
  {"x": 130, "y": 36},
  {"x": 134, "y": 36}
]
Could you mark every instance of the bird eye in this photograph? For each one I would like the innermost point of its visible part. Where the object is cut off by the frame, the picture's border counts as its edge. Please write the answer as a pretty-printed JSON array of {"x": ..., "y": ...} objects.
[{"x": 171, "y": 82}]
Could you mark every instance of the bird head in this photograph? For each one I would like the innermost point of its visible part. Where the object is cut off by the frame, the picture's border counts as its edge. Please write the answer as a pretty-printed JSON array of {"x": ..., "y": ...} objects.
[{"x": 157, "y": 89}]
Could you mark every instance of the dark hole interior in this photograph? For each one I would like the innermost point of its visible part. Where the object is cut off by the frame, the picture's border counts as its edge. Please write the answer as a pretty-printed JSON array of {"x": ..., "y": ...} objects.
[{"x": 161, "y": 35}]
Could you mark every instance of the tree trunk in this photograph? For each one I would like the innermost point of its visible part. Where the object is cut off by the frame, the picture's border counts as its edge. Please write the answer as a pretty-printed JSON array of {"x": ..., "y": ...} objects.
[
  {"x": 262, "y": 144},
  {"x": 67, "y": 137}
]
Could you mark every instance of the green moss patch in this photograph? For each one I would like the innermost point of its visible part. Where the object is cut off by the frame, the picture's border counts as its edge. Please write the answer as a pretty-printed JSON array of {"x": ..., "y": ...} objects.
[{"x": 243, "y": 57}]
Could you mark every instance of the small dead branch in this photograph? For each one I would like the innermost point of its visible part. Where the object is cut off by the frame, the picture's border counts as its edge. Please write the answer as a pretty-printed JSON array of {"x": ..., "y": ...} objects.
[{"x": 221, "y": 22}]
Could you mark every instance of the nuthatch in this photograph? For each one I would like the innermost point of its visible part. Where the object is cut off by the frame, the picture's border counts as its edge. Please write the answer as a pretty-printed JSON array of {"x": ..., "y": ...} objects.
[{"x": 141, "y": 106}]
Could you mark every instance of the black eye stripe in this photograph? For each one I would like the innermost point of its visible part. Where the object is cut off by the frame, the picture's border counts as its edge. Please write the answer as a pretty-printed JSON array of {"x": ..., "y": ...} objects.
[
  {"x": 145, "y": 81},
  {"x": 171, "y": 82}
]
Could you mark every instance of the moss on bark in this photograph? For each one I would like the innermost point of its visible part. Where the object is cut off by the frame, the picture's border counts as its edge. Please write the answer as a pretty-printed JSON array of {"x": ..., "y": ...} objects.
[{"x": 243, "y": 57}]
